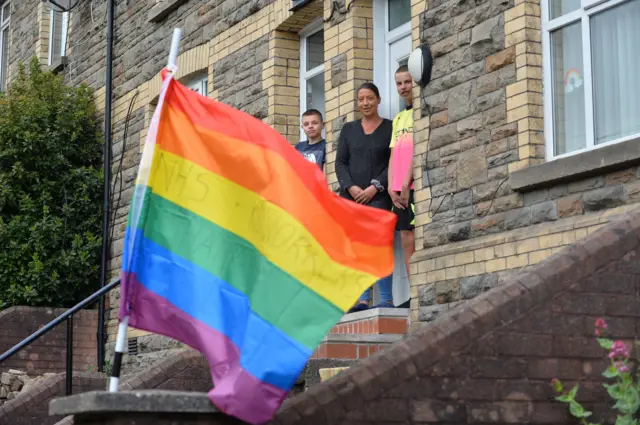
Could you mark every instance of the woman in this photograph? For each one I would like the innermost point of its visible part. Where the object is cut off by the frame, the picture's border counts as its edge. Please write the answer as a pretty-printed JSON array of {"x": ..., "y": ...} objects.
[{"x": 361, "y": 166}]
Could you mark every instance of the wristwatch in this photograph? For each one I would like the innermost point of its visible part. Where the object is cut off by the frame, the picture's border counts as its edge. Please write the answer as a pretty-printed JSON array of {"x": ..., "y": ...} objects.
[{"x": 379, "y": 187}]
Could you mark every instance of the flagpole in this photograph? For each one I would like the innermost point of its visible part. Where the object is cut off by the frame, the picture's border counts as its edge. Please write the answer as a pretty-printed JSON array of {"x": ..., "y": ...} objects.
[{"x": 172, "y": 66}]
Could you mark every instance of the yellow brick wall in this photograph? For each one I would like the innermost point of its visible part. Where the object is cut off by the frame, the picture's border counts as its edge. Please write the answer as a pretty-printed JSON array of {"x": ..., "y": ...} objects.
[
  {"x": 42, "y": 43},
  {"x": 353, "y": 37},
  {"x": 524, "y": 97}
]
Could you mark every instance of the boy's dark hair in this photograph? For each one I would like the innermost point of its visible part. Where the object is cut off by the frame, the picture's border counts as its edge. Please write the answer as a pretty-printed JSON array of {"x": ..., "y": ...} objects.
[
  {"x": 310, "y": 112},
  {"x": 403, "y": 68},
  {"x": 370, "y": 86}
]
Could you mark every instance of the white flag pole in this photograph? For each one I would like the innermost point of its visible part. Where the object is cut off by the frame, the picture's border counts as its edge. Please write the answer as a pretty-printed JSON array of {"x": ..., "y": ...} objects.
[{"x": 121, "y": 339}]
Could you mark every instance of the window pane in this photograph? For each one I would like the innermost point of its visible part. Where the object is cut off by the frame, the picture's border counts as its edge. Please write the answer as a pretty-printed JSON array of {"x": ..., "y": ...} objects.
[
  {"x": 4, "y": 57},
  {"x": 568, "y": 89},
  {"x": 315, "y": 93},
  {"x": 57, "y": 37},
  {"x": 558, "y": 8},
  {"x": 6, "y": 9},
  {"x": 615, "y": 37},
  {"x": 315, "y": 50},
  {"x": 399, "y": 13}
]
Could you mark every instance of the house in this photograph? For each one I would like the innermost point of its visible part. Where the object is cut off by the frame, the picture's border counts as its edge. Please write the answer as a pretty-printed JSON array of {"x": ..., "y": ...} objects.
[{"x": 526, "y": 137}]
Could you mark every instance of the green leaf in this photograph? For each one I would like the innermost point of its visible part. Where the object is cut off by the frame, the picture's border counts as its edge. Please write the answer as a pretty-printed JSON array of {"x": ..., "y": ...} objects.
[
  {"x": 574, "y": 392},
  {"x": 625, "y": 420},
  {"x": 578, "y": 411},
  {"x": 564, "y": 398},
  {"x": 610, "y": 372},
  {"x": 605, "y": 343},
  {"x": 615, "y": 391}
]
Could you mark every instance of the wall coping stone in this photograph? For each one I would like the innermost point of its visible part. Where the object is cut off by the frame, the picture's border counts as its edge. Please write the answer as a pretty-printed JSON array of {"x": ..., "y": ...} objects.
[
  {"x": 577, "y": 167},
  {"x": 156, "y": 401},
  {"x": 375, "y": 313}
]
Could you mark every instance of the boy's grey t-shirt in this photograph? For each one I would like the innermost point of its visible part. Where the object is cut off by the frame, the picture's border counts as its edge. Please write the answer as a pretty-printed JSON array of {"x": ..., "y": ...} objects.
[{"x": 313, "y": 152}]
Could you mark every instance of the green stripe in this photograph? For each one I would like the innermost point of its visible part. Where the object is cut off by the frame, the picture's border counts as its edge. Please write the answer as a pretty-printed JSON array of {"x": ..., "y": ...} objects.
[{"x": 274, "y": 295}]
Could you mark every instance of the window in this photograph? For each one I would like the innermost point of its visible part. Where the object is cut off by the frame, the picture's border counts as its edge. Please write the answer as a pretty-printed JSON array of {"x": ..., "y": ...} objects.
[
  {"x": 199, "y": 84},
  {"x": 591, "y": 61},
  {"x": 5, "y": 15},
  {"x": 392, "y": 47},
  {"x": 312, "y": 69},
  {"x": 58, "y": 30}
]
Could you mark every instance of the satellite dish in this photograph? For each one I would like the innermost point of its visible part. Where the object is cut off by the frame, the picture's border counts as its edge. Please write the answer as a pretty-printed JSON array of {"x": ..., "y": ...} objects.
[
  {"x": 60, "y": 5},
  {"x": 420, "y": 65}
]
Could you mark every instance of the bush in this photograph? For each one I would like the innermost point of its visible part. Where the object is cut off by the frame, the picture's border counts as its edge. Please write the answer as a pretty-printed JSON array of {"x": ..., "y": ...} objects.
[{"x": 50, "y": 192}]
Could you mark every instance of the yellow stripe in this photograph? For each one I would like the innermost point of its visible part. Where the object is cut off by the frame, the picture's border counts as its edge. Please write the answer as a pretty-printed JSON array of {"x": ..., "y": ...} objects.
[{"x": 277, "y": 235}]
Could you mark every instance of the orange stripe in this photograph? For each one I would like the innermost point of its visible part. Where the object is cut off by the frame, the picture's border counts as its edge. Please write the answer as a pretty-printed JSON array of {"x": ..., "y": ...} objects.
[
  {"x": 267, "y": 174},
  {"x": 246, "y": 130}
]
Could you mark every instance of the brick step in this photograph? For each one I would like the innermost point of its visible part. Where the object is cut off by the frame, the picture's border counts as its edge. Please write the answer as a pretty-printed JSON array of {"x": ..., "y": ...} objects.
[
  {"x": 376, "y": 321},
  {"x": 360, "y": 335}
]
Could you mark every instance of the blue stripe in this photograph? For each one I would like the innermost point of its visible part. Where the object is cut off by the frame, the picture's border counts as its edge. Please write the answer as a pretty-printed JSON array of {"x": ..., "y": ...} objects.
[{"x": 266, "y": 352}]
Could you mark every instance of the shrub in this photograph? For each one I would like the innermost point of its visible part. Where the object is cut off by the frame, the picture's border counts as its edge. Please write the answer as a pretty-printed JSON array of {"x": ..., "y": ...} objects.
[{"x": 50, "y": 191}]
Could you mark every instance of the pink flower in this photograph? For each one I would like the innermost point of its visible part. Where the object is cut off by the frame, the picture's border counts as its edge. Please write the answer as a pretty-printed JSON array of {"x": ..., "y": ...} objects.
[
  {"x": 622, "y": 366},
  {"x": 600, "y": 323},
  {"x": 597, "y": 332},
  {"x": 619, "y": 350},
  {"x": 557, "y": 385}
]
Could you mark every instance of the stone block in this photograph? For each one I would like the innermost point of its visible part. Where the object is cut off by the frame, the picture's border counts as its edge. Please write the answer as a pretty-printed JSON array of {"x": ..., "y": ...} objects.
[
  {"x": 7, "y": 379},
  {"x": 544, "y": 211},
  {"x": 471, "y": 287},
  {"x": 427, "y": 294},
  {"x": 460, "y": 231},
  {"x": 339, "y": 70},
  {"x": 517, "y": 218},
  {"x": 463, "y": 198},
  {"x": 487, "y": 37},
  {"x": 472, "y": 168},
  {"x": 569, "y": 206},
  {"x": 606, "y": 197},
  {"x": 500, "y": 59},
  {"x": 462, "y": 101}
]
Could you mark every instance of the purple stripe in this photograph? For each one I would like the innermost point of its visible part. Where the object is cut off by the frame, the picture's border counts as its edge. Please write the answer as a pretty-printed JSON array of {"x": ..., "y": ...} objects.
[{"x": 236, "y": 392}]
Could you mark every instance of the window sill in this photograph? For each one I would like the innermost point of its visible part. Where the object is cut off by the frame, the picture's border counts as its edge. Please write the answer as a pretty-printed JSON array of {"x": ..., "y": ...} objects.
[
  {"x": 58, "y": 65},
  {"x": 596, "y": 161},
  {"x": 299, "y": 4},
  {"x": 162, "y": 9}
]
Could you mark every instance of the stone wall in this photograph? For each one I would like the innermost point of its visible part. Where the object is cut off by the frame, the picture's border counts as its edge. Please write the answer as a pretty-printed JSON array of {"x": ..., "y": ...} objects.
[
  {"x": 480, "y": 124},
  {"x": 48, "y": 353},
  {"x": 491, "y": 360},
  {"x": 238, "y": 78}
]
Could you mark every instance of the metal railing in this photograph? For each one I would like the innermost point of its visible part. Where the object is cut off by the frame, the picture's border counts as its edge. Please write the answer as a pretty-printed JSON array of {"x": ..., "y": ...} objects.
[{"x": 68, "y": 316}]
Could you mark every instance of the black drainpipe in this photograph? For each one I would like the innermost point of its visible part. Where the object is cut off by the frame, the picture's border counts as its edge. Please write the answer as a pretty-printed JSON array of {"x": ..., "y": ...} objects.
[{"x": 107, "y": 182}]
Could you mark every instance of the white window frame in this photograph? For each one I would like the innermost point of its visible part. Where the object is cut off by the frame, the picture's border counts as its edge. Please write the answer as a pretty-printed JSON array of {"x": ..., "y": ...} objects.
[
  {"x": 382, "y": 41},
  {"x": 4, "y": 24},
  {"x": 306, "y": 74},
  {"x": 199, "y": 84},
  {"x": 63, "y": 35},
  {"x": 587, "y": 10}
]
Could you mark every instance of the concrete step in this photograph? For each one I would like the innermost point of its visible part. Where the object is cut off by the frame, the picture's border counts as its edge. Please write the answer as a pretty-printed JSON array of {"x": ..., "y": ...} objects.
[{"x": 330, "y": 372}]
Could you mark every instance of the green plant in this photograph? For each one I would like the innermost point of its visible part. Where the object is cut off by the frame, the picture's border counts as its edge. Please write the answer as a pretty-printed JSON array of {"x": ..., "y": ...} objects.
[
  {"x": 50, "y": 191},
  {"x": 624, "y": 389}
]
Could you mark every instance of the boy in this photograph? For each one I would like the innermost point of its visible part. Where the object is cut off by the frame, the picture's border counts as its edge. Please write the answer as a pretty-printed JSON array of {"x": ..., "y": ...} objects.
[
  {"x": 314, "y": 148},
  {"x": 401, "y": 165}
]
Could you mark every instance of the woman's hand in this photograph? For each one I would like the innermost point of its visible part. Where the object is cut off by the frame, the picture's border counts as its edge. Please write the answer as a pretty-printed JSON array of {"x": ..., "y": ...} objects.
[
  {"x": 354, "y": 191},
  {"x": 366, "y": 195}
]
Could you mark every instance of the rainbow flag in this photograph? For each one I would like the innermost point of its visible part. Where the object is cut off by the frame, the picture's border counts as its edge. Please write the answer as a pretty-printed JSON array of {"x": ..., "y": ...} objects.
[{"x": 236, "y": 246}]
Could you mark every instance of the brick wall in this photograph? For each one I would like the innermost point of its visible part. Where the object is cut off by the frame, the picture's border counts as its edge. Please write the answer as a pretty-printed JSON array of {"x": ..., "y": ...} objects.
[
  {"x": 491, "y": 360},
  {"x": 47, "y": 354}
]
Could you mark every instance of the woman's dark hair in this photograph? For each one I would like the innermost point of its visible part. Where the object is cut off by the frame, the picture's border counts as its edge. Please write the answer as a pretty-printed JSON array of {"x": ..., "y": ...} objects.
[{"x": 370, "y": 86}]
